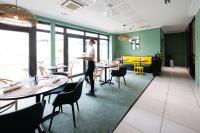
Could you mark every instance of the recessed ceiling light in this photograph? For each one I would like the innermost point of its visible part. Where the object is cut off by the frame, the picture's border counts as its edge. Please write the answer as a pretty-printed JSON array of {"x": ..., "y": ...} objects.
[
  {"x": 64, "y": 14},
  {"x": 167, "y": 1}
]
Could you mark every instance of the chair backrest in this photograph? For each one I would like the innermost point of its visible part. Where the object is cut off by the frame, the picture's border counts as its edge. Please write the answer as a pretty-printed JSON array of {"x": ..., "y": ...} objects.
[
  {"x": 115, "y": 62},
  {"x": 42, "y": 70},
  {"x": 70, "y": 67},
  {"x": 97, "y": 72},
  {"x": 69, "y": 97},
  {"x": 121, "y": 72},
  {"x": 5, "y": 105},
  {"x": 25, "y": 120},
  {"x": 78, "y": 89}
]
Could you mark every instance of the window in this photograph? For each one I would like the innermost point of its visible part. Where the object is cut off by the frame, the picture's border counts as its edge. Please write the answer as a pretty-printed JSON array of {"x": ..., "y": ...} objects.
[
  {"x": 14, "y": 54},
  {"x": 43, "y": 49},
  {"x": 75, "y": 49},
  {"x": 42, "y": 26},
  {"x": 103, "y": 50},
  {"x": 59, "y": 49},
  {"x": 103, "y": 37},
  {"x": 91, "y": 34},
  {"x": 76, "y": 32},
  {"x": 59, "y": 29}
]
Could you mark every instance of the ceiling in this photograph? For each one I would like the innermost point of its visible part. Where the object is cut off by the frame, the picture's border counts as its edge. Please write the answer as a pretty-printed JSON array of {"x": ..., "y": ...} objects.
[{"x": 110, "y": 15}]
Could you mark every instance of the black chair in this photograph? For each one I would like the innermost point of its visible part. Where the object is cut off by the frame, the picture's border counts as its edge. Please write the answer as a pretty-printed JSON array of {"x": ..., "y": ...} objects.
[
  {"x": 119, "y": 73},
  {"x": 26, "y": 120},
  {"x": 67, "y": 88},
  {"x": 68, "y": 97},
  {"x": 56, "y": 91}
]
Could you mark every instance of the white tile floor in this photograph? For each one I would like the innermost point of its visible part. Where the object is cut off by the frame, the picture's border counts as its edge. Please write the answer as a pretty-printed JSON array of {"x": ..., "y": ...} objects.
[{"x": 170, "y": 104}]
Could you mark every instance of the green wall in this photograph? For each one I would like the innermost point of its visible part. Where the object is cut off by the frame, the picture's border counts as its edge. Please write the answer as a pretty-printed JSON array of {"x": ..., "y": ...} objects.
[
  {"x": 175, "y": 47},
  {"x": 162, "y": 44},
  {"x": 149, "y": 43},
  {"x": 187, "y": 48},
  {"x": 197, "y": 48},
  {"x": 114, "y": 50}
]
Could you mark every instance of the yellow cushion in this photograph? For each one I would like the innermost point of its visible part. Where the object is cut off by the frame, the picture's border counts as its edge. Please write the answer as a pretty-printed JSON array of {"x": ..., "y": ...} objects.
[{"x": 133, "y": 59}]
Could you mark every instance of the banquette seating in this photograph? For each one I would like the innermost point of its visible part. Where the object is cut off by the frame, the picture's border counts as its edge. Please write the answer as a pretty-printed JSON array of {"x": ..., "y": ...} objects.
[{"x": 130, "y": 60}]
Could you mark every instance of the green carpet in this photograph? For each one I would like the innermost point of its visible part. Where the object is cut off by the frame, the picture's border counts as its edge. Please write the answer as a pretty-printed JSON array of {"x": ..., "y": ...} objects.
[
  {"x": 99, "y": 114},
  {"x": 102, "y": 113}
]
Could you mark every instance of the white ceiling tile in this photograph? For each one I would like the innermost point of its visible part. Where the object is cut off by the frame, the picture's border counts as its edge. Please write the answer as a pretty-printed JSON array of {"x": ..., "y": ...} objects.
[{"x": 122, "y": 8}]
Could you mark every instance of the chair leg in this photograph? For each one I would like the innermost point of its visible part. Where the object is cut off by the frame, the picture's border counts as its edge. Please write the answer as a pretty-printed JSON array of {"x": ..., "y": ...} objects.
[
  {"x": 49, "y": 98},
  {"x": 16, "y": 106},
  {"x": 71, "y": 78},
  {"x": 54, "y": 108},
  {"x": 43, "y": 98},
  {"x": 110, "y": 80},
  {"x": 60, "y": 109},
  {"x": 77, "y": 105},
  {"x": 124, "y": 80},
  {"x": 73, "y": 113}
]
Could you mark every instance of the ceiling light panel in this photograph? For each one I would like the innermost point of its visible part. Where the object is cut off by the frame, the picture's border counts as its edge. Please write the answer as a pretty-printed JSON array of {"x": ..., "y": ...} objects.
[
  {"x": 113, "y": 2},
  {"x": 123, "y": 8}
]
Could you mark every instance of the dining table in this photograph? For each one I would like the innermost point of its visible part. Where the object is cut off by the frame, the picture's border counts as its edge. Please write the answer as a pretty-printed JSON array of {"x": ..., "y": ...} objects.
[
  {"x": 55, "y": 68},
  {"x": 105, "y": 66},
  {"x": 121, "y": 60},
  {"x": 32, "y": 87},
  {"x": 140, "y": 61}
]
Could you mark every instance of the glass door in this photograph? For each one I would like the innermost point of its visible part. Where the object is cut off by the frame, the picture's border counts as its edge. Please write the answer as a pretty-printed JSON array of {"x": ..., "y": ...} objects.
[
  {"x": 14, "y": 54},
  {"x": 103, "y": 50},
  {"x": 75, "y": 49}
]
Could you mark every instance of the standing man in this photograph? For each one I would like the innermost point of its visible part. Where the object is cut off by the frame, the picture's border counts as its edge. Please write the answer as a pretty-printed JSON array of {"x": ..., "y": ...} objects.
[{"x": 91, "y": 67}]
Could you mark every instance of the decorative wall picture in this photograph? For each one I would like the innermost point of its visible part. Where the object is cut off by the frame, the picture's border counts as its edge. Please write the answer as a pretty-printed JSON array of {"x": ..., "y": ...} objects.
[{"x": 135, "y": 43}]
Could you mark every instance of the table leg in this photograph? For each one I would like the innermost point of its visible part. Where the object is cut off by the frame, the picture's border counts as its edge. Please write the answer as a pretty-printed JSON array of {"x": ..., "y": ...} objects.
[
  {"x": 106, "y": 81},
  {"x": 37, "y": 98},
  {"x": 105, "y": 74}
]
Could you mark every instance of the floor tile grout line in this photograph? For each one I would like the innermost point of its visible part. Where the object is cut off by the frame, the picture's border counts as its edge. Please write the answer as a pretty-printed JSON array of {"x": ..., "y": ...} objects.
[
  {"x": 166, "y": 101},
  {"x": 132, "y": 126},
  {"x": 132, "y": 105},
  {"x": 194, "y": 94},
  {"x": 182, "y": 125}
]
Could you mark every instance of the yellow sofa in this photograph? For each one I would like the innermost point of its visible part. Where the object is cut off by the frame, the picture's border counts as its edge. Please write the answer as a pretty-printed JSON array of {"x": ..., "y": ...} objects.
[{"x": 131, "y": 60}]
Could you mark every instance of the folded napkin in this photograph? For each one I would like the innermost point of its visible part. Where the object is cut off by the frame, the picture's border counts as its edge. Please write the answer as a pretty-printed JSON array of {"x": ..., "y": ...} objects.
[
  {"x": 12, "y": 88},
  {"x": 56, "y": 80},
  {"x": 13, "y": 84}
]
